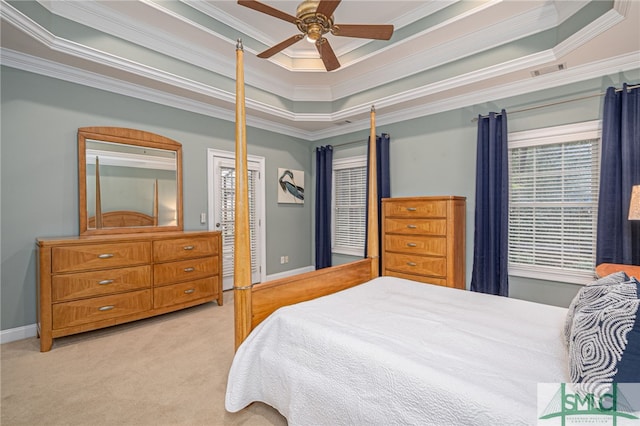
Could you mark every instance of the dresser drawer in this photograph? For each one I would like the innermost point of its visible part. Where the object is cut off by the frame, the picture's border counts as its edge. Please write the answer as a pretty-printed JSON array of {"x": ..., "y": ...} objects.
[
  {"x": 419, "y": 278},
  {"x": 171, "y": 272},
  {"x": 415, "y": 226},
  {"x": 420, "y": 244},
  {"x": 85, "y": 311},
  {"x": 416, "y": 208},
  {"x": 424, "y": 265},
  {"x": 184, "y": 248},
  {"x": 99, "y": 283},
  {"x": 184, "y": 292},
  {"x": 99, "y": 256}
]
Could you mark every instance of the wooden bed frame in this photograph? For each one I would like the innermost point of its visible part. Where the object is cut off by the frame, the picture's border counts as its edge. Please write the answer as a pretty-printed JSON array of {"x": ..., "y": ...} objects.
[
  {"x": 254, "y": 302},
  {"x": 123, "y": 218}
]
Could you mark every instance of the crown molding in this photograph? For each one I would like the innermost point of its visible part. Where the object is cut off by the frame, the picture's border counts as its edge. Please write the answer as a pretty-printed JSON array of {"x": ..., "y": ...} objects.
[
  {"x": 102, "y": 18},
  {"x": 28, "y": 26},
  {"x": 63, "y": 72},
  {"x": 218, "y": 14},
  {"x": 528, "y": 23},
  {"x": 209, "y": 9},
  {"x": 473, "y": 43},
  {"x": 107, "y": 20},
  {"x": 58, "y": 71},
  {"x": 470, "y": 79},
  {"x": 584, "y": 35},
  {"x": 593, "y": 70},
  {"x": 221, "y": 101},
  {"x": 622, "y": 6}
]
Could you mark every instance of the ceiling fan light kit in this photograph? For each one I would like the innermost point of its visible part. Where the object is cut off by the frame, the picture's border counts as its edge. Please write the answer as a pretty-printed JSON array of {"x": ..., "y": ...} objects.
[{"x": 314, "y": 19}]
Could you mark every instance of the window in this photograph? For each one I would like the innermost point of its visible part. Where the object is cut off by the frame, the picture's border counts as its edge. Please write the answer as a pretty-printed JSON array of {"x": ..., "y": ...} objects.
[
  {"x": 553, "y": 202},
  {"x": 349, "y": 205}
]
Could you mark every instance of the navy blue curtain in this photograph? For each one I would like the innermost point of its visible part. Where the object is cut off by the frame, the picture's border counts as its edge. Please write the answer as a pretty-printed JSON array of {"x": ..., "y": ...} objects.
[
  {"x": 491, "y": 244},
  {"x": 619, "y": 238},
  {"x": 324, "y": 169},
  {"x": 383, "y": 182}
]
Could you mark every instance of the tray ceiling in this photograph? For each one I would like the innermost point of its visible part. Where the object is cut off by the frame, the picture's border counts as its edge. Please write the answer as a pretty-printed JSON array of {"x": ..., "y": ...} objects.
[{"x": 444, "y": 54}]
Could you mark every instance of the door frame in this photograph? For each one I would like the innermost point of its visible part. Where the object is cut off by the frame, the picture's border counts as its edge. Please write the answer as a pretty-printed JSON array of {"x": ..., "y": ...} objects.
[{"x": 260, "y": 201}]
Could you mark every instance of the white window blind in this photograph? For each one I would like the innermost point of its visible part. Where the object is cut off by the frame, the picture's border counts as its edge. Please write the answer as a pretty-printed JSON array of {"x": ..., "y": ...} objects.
[
  {"x": 553, "y": 203},
  {"x": 349, "y": 206},
  {"x": 227, "y": 180}
]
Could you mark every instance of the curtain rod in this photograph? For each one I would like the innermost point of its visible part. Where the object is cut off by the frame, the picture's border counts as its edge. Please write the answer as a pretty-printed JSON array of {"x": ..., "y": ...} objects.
[
  {"x": 353, "y": 142},
  {"x": 349, "y": 143},
  {"x": 558, "y": 102}
]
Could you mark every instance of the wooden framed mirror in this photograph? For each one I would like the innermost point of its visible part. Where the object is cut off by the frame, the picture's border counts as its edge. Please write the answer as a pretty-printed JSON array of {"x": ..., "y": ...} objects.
[{"x": 129, "y": 181}]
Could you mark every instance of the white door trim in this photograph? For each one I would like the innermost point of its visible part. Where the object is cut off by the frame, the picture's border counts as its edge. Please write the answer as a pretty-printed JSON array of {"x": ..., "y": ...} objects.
[{"x": 261, "y": 193}]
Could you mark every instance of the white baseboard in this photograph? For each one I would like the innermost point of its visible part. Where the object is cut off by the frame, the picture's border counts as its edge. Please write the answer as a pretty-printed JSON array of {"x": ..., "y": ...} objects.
[
  {"x": 18, "y": 333},
  {"x": 290, "y": 273},
  {"x": 27, "y": 331}
]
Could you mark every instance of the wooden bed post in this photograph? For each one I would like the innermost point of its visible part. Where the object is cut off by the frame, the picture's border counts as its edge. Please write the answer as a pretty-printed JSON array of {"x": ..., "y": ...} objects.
[
  {"x": 98, "y": 196},
  {"x": 372, "y": 223},
  {"x": 242, "y": 244},
  {"x": 155, "y": 203},
  {"x": 253, "y": 303}
]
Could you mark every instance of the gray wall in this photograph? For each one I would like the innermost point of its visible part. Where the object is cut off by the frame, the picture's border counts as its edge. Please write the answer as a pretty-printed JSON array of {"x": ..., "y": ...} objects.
[
  {"x": 39, "y": 177},
  {"x": 431, "y": 155},
  {"x": 436, "y": 155}
]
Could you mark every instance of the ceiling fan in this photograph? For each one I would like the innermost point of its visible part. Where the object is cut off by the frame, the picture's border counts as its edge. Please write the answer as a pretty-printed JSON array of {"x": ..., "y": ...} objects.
[{"x": 314, "y": 18}]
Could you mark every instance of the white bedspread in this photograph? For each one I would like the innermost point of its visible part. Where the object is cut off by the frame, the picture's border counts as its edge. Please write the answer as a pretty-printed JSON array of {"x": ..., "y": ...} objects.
[{"x": 392, "y": 351}]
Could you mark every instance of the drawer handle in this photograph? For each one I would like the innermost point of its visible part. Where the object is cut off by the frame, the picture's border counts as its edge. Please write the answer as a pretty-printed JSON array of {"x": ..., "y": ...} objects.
[
  {"x": 105, "y": 282},
  {"x": 106, "y": 308},
  {"x": 189, "y": 269},
  {"x": 189, "y": 291},
  {"x": 411, "y": 226},
  {"x": 105, "y": 255},
  {"x": 412, "y": 245},
  {"x": 188, "y": 247},
  {"x": 411, "y": 209},
  {"x": 412, "y": 263}
]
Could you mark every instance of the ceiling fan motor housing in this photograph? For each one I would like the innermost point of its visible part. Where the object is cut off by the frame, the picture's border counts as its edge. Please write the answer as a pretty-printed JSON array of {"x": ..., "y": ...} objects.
[{"x": 313, "y": 24}]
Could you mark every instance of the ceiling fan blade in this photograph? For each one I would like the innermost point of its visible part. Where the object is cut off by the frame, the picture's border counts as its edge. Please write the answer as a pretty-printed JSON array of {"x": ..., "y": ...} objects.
[
  {"x": 326, "y": 54},
  {"x": 280, "y": 46},
  {"x": 327, "y": 7},
  {"x": 261, "y": 7},
  {"x": 378, "y": 32}
]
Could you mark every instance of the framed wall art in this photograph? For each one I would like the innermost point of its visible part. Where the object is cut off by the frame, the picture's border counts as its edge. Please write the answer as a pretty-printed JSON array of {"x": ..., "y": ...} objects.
[{"x": 290, "y": 186}]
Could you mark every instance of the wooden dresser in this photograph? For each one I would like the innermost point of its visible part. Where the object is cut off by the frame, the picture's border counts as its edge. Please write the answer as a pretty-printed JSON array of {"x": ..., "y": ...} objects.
[
  {"x": 423, "y": 239},
  {"x": 86, "y": 283}
]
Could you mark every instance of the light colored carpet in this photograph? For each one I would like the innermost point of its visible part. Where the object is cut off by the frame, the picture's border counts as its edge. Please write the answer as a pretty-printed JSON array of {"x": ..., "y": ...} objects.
[{"x": 168, "y": 370}]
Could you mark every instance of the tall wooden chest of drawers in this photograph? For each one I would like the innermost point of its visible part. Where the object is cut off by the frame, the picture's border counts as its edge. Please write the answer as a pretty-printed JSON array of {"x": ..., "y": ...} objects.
[
  {"x": 423, "y": 239},
  {"x": 86, "y": 283}
]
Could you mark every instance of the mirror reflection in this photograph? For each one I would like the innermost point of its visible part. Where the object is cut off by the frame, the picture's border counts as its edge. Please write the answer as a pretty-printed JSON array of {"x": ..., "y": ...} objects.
[{"x": 133, "y": 186}]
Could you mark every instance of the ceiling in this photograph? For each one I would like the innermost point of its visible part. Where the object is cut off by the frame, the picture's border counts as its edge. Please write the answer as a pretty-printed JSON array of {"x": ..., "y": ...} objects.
[{"x": 444, "y": 54}]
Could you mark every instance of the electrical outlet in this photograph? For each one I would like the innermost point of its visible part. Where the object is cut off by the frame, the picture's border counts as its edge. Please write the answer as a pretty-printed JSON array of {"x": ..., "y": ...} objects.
[
  {"x": 281, "y": 260},
  {"x": 284, "y": 259},
  {"x": 203, "y": 218}
]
